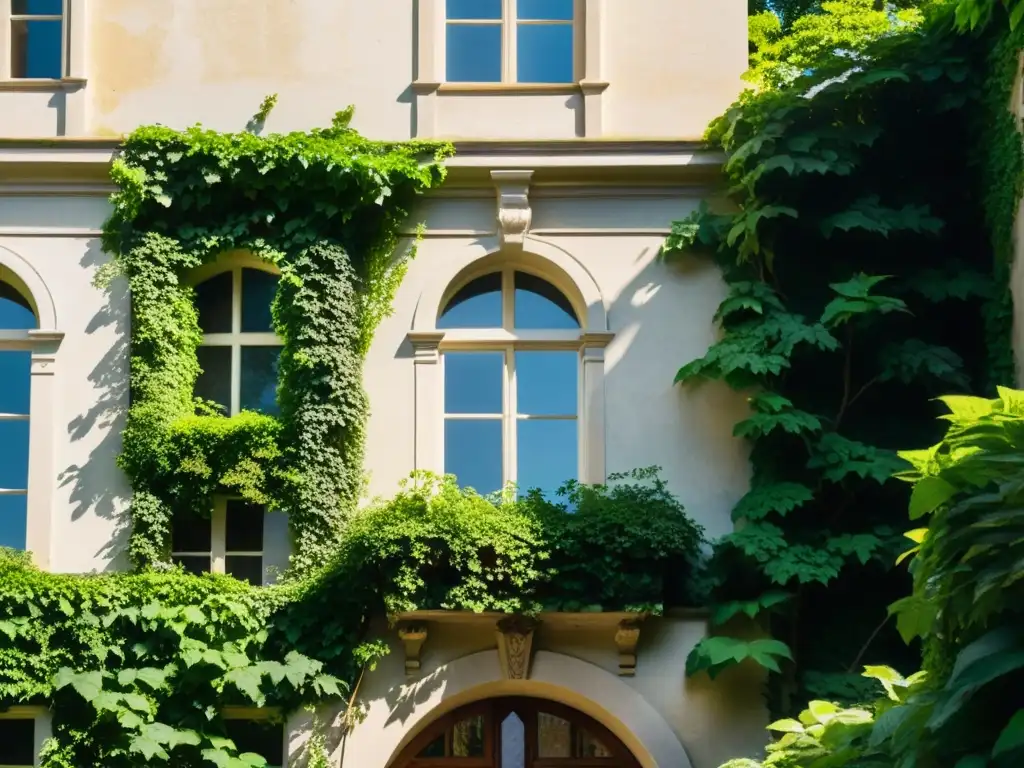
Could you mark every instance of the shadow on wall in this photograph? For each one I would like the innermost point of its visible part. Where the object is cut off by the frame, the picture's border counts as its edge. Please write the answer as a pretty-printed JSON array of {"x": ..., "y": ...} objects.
[{"x": 93, "y": 490}]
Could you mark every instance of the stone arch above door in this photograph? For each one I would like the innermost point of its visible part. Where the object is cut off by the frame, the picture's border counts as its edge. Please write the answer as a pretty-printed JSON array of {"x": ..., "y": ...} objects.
[{"x": 392, "y": 723}]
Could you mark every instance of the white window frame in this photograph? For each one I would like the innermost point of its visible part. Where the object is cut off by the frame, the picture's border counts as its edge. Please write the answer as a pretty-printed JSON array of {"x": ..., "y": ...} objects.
[
  {"x": 236, "y": 339},
  {"x": 508, "y": 341},
  {"x": 8, "y": 17},
  {"x": 218, "y": 540},
  {"x": 41, "y": 728},
  {"x": 509, "y": 23},
  {"x": 43, "y": 343}
]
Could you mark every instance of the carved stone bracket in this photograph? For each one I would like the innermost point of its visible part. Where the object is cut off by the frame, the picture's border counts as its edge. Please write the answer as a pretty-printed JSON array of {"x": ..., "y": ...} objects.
[
  {"x": 425, "y": 345},
  {"x": 515, "y": 646},
  {"x": 514, "y": 212},
  {"x": 413, "y": 637},
  {"x": 627, "y": 635}
]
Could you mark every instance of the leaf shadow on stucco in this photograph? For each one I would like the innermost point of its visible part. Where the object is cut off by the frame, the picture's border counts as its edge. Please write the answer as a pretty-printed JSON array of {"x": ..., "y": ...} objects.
[{"x": 97, "y": 486}]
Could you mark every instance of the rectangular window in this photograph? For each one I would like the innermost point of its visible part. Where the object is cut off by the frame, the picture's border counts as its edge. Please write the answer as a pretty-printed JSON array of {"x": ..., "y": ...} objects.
[
  {"x": 37, "y": 34},
  {"x": 263, "y": 737},
  {"x": 229, "y": 541},
  {"x": 511, "y": 417},
  {"x": 17, "y": 742},
  {"x": 510, "y": 41}
]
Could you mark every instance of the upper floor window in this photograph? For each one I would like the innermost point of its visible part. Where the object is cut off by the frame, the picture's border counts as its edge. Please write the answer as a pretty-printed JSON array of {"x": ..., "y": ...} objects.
[
  {"x": 511, "y": 391},
  {"x": 16, "y": 317},
  {"x": 37, "y": 33},
  {"x": 239, "y": 351},
  {"x": 229, "y": 541},
  {"x": 510, "y": 41}
]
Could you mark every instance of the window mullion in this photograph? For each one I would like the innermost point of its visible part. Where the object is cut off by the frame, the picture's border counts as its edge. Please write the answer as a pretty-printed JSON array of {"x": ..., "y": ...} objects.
[
  {"x": 218, "y": 535},
  {"x": 511, "y": 425},
  {"x": 236, "y": 340},
  {"x": 5, "y": 39},
  {"x": 509, "y": 58}
]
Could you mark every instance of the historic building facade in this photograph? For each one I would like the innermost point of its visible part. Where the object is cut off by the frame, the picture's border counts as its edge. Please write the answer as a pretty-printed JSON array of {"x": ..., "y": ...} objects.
[{"x": 534, "y": 338}]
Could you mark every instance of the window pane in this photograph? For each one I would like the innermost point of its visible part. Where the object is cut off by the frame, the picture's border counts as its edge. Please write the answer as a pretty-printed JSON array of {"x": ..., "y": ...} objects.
[
  {"x": 472, "y": 452},
  {"x": 545, "y": 53},
  {"x": 15, "y": 381},
  {"x": 37, "y": 7},
  {"x": 513, "y": 742},
  {"x": 546, "y": 10},
  {"x": 245, "y": 568},
  {"x": 434, "y": 748},
  {"x": 14, "y": 454},
  {"x": 477, "y": 305},
  {"x": 538, "y": 304},
  {"x": 546, "y": 383},
  {"x": 214, "y": 383},
  {"x": 17, "y": 742},
  {"x": 474, "y": 53},
  {"x": 36, "y": 48},
  {"x": 13, "y": 521},
  {"x": 258, "y": 289},
  {"x": 473, "y": 9},
  {"x": 197, "y": 565},
  {"x": 244, "y": 527},
  {"x": 591, "y": 747},
  {"x": 262, "y": 737},
  {"x": 259, "y": 379},
  {"x": 213, "y": 300},
  {"x": 473, "y": 382},
  {"x": 546, "y": 454},
  {"x": 190, "y": 532},
  {"x": 15, "y": 312},
  {"x": 468, "y": 737},
  {"x": 554, "y": 736}
]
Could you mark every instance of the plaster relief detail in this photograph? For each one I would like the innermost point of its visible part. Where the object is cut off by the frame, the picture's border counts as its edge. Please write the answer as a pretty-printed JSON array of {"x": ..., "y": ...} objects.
[
  {"x": 515, "y": 645},
  {"x": 514, "y": 212},
  {"x": 627, "y": 635},
  {"x": 413, "y": 637}
]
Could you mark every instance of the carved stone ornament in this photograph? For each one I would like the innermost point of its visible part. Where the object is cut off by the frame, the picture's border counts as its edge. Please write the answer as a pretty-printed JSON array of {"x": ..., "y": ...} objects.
[
  {"x": 627, "y": 635},
  {"x": 413, "y": 637},
  {"x": 515, "y": 644},
  {"x": 514, "y": 212}
]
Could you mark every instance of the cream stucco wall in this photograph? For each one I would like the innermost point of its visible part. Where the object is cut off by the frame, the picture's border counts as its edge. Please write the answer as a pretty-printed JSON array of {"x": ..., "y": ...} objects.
[
  {"x": 653, "y": 68},
  {"x": 666, "y": 719}
]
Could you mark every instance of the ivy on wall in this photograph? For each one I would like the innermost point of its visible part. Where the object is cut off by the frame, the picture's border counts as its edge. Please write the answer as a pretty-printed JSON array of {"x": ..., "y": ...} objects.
[
  {"x": 325, "y": 208},
  {"x": 858, "y": 267}
]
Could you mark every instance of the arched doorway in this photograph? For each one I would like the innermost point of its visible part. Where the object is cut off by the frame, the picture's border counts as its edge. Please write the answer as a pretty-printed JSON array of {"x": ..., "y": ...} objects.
[{"x": 515, "y": 733}]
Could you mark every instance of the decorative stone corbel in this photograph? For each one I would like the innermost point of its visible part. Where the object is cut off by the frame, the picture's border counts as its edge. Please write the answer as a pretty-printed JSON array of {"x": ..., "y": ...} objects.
[
  {"x": 627, "y": 635},
  {"x": 514, "y": 212},
  {"x": 515, "y": 646},
  {"x": 413, "y": 637}
]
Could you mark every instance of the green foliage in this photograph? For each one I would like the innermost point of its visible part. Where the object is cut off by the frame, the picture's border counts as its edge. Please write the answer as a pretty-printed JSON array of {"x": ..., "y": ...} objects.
[
  {"x": 964, "y": 709},
  {"x": 325, "y": 208},
  {"x": 842, "y": 251},
  {"x": 713, "y": 654},
  {"x": 137, "y": 667}
]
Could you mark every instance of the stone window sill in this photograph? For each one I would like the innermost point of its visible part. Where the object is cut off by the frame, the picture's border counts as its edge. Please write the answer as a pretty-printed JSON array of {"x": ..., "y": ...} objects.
[
  {"x": 42, "y": 84},
  {"x": 510, "y": 89}
]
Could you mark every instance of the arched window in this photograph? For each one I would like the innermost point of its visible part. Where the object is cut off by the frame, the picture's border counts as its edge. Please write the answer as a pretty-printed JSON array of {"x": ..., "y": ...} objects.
[
  {"x": 16, "y": 317},
  {"x": 240, "y": 350},
  {"x": 516, "y": 733},
  {"x": 511, "y": 357}
]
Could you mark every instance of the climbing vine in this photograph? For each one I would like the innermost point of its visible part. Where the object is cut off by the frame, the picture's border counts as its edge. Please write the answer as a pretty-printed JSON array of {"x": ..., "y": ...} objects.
[
  {"x": 858, "y": 265},
  {"x": 325, "y": 209}
]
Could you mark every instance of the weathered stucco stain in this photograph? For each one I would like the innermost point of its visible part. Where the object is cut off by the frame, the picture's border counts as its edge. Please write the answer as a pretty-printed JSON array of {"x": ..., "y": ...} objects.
[
  {"x": 242, "y": 40},
  {"x": 126, "y": 49}
]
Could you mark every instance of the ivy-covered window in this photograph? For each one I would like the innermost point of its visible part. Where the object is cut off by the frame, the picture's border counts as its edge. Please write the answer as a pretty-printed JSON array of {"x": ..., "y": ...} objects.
[
  {"x": 37, "y": 33},
  {"x": 263, "y": 737},
  {"x": 17, "y": 742},
  {"x": 229, "y": 541},
  {"x": 240, "y": 350},
  {"x": 511, "y": 399},
  {"x": 16, "y": 317},
  {"x": 511, "y": 41}
]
